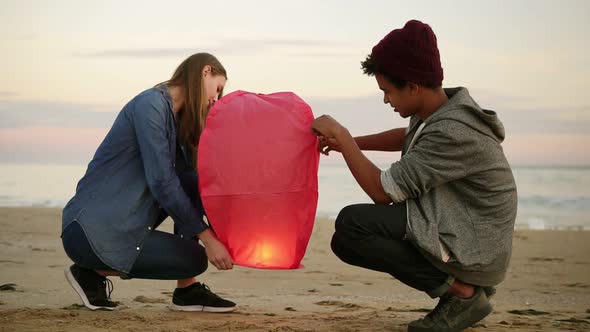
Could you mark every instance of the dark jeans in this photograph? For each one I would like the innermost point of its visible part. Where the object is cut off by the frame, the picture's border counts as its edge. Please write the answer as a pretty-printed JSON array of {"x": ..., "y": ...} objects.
[
  {"x": 163, "y": 256},
  {"x": 372, "y": 236}
]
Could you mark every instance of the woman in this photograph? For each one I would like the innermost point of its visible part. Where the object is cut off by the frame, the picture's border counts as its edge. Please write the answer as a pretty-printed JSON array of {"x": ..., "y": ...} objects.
[{"x": 144, "y": 171}]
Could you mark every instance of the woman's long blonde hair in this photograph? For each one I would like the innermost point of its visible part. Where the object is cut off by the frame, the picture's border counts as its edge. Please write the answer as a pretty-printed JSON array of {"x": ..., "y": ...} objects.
[{"x": 188, "y": 76}]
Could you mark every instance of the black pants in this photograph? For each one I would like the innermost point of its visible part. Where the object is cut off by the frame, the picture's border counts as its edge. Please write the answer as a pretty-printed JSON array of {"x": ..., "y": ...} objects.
[
  {"x": 163, "y": 256},
  {"x": 372, "y": 236}
]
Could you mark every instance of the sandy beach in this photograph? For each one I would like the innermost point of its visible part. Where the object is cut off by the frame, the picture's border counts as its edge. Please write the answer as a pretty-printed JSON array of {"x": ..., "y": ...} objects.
[{"x": 547, "y": 288}]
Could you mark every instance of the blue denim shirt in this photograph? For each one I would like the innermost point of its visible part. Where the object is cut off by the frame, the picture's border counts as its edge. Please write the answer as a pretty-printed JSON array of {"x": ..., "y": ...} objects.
[{"x": 132, "y": 175}]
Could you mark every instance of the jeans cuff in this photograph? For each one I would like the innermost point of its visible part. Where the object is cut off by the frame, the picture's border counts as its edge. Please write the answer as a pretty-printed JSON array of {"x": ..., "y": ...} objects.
[{"x": 442, "y": 289}]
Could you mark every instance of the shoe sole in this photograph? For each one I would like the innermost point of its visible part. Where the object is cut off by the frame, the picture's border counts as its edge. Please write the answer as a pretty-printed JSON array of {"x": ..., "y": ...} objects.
[
  {"x": 200, "y": 308},
  {"x": 76, "y": 286}
]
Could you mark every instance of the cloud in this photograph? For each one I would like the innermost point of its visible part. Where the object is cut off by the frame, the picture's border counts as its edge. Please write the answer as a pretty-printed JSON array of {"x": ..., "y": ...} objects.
[
  {"x": 40, "y": 130},
  {"x": 26, "y": 36},
  {"x": 334, "y": 54},
  {"x": 49, "y": 144},
  {"x": 547, "y": 149},
  {"x": 227, "y": 46},
  {"x": 367, "y": 114},
  {"x": 138, "y": 53},
  {"x": 32, "y": 113},
  {"x": 522, "y": 114},
  {"x": 573, "y": 120},
  {"x": 361, "y": 115}
]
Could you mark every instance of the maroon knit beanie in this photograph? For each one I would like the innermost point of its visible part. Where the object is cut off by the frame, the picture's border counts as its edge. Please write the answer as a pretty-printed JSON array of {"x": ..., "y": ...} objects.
[{"x": 410, "y": 54}]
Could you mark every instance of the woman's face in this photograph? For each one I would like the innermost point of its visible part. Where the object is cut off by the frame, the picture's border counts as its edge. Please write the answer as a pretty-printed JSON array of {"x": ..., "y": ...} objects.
[{"x": 213, "y": 84}]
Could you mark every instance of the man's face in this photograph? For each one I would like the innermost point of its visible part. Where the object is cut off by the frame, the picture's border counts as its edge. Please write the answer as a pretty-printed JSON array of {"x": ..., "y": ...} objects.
[{"x": 402, "y": 100}]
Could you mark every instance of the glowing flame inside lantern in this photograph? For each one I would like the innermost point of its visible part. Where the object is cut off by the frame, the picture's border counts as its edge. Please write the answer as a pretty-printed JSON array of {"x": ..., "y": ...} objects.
[
  {"x": 270, "y": 254},
  {"x": 266, "y": 252}
]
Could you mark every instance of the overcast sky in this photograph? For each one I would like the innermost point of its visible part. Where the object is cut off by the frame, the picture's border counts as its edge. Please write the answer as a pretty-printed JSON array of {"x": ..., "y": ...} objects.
[{"x": 68, "y": 67}]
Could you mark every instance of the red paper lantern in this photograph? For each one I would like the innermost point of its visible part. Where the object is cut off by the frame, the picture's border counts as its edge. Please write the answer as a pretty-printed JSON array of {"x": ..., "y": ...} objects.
[{"x": 258, "y": 166}]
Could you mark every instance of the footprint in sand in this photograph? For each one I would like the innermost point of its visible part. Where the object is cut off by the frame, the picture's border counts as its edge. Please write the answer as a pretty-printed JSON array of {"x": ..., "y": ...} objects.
[
  {"x": 546, "y": 259},
  {"x": 11, "y": 262},
  {"x": 525, "y": 324},
  {"x": 336, "y": 284},
  {"x": 339, "y": 304},
  {"x": 577, "y": 285},
  {"x": 169, "y": 294},
  {"x": 43, "y": 249},
  {"x": 574, "y": 320},
  {"x": 145, "y": 299},
  {"x": 8, "y": 288},
  {"x": 408, "y": 310},
  {"x": 528, "y": 312},
  {"x": 74, "y": 306},
  {"x": 290, "y": 309}
]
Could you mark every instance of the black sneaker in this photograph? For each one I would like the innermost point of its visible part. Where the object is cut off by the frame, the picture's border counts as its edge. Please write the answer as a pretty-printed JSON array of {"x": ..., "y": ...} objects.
[
  {"x": 91, "y": 287},
  {"x": 454, "y": 314},
  {"x": 198, "y": 297}
]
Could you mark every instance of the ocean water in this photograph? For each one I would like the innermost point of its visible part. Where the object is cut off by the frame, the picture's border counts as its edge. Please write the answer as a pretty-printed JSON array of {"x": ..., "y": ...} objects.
[{"x": 549, "y": 197}]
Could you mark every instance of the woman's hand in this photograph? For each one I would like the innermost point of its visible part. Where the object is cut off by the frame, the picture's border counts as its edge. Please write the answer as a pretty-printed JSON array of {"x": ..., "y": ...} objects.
[{"x": 216, "y": 251}]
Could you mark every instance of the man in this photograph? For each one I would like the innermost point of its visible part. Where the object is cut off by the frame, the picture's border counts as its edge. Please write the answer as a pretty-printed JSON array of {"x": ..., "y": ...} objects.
[{"x": 449, "y": 230}]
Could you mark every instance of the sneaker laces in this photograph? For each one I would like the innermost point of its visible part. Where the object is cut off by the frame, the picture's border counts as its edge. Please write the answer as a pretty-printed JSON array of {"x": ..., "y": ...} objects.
[
  {"x": 108, "y": 285},
  {"x": 206, "y": 288},
  {"x": 441, "y": 308}
]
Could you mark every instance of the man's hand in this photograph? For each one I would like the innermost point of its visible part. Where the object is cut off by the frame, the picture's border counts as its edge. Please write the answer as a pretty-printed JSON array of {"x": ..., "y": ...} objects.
[
  {"x": 364, "y": 171},
  {"x": 327, "y": 129},
  {"x": 328, "y": 144},
  {"x": 216, "y": 251},
  {"x": 326, "y": 126}
]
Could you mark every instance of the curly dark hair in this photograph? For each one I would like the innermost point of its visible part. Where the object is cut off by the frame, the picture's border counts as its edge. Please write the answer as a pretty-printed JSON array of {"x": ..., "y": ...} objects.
[{"x": 371, "y": 67}]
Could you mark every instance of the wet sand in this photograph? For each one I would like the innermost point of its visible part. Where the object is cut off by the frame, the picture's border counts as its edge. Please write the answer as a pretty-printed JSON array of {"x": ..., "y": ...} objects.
[{"x": 547, "y": 288}]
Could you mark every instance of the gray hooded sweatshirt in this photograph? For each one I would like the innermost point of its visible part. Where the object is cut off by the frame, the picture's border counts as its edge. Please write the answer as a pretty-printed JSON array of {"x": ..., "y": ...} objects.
[{"x": 459, "y": 190}]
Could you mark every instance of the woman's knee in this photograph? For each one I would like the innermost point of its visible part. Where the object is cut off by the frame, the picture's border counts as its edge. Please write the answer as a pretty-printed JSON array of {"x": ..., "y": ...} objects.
[{"x": 200, "y": 262}]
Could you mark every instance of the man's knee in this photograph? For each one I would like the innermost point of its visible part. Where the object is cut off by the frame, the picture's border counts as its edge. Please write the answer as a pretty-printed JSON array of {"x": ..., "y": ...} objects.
[
  {"x": 339, "y": 246},
  {"x": 347, "y": 219},
  {"x": 345, "y": 249}
]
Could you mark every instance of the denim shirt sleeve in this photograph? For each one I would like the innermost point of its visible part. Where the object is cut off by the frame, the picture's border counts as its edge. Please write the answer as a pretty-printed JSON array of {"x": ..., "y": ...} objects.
[{"x": 149, "y": 119}]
